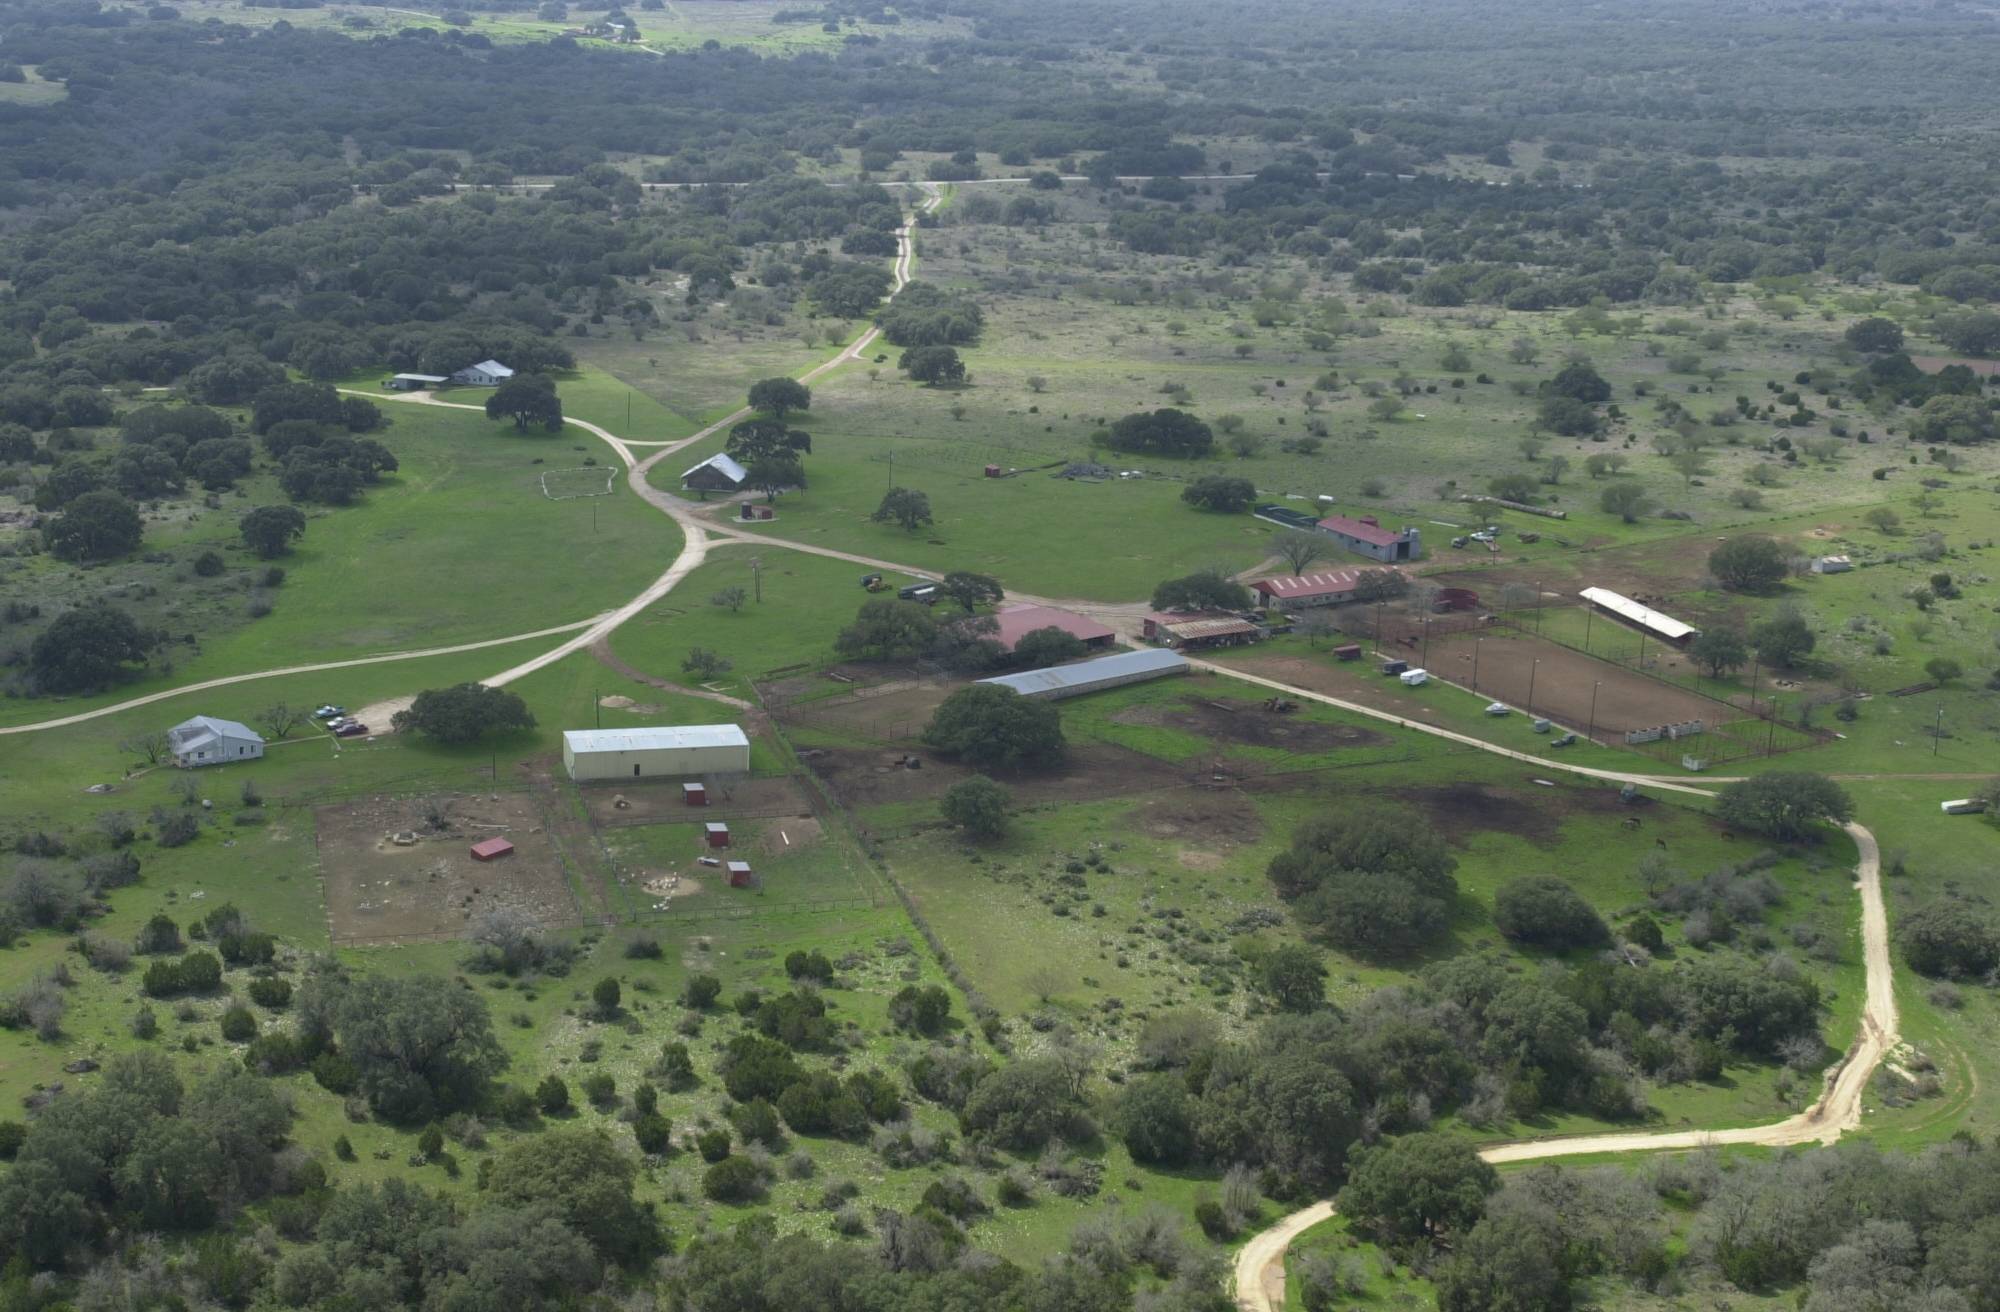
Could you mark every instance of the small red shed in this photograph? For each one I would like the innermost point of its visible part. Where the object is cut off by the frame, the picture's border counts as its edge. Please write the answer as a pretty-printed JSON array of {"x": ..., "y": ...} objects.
[
  {"x": 992, "y": 471},
  {"x": 694, "y": 794},
  {"x": 717, "y": 834},
  {"x": 491, "y": 849},
  {"x": 1350, "y": 651},
  {"x": 739, "y": 874}
]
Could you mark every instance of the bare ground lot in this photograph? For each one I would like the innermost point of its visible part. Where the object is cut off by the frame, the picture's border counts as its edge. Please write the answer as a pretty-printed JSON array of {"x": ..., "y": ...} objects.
[
  {"x": 1562, "y": 683},
  {"x": 864, "y": 777},
  {"x": 1248, "y": 724},
  {"x": 885, "y": 713},
  {"x": 661, "y": 801},
  {"x": 377, "y": 890},
  {"x": 1563, "y": 680}
]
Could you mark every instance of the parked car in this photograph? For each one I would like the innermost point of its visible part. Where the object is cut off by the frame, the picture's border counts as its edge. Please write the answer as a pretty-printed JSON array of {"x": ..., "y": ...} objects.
[
  {"x": 351, "y": 729},
  {"x": 329, "y": 712}
]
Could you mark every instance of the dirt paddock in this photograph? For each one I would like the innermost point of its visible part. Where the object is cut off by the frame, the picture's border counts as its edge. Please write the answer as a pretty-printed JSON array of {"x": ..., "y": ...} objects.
[
  {"x": 1249, "y": 725},
  {"x": 863, "y": 777},
  {"x": 379, "y": 889},
  {"x": 1562, "y": 680},
  {"x": 661, "y": 801}
]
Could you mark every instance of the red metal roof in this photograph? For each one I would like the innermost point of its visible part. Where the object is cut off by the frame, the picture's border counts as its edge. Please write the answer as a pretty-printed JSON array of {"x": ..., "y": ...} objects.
[
  {"x": 1017, "y": 622},
  {"x": 487, "y": 848},
  {"x": 1364, "y": 530},
  {"x": 1325, "y": 583}
]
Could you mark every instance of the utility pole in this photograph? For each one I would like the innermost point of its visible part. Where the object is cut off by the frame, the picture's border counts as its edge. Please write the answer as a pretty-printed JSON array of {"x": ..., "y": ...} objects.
[
  {"x": 1427, "y": 644},
  {"x": 597, "y": 705},
  {"x": 1591, "y": 732},
  {"x": 1588, "y": 612},
  {"x": 1937, "y": 731},
  {"x": 757, "y": 576},
  {"x": 1533, "y": 670},
  {"x": 1475, "y": 663}
]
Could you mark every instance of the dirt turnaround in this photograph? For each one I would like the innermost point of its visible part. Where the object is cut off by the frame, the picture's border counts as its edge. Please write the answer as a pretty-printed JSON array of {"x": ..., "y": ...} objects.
[{"x": 1260, "y": 1266}]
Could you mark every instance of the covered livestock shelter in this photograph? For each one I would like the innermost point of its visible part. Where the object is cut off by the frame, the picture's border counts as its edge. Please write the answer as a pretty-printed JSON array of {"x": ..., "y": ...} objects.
[
  {"x": 1662, "y": 626},
  {"x": 1327, "y": 587},
  {"x": 1074, "y": 680},
  {"x": 662, "y": 751},
  {"x": 1017, "y": 622}
]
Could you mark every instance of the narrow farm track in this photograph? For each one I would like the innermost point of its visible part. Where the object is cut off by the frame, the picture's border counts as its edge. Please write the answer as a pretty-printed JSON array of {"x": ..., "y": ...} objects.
[
  {"x": 1260, "y": 1264},
  {"x": 384, "y": 658}
]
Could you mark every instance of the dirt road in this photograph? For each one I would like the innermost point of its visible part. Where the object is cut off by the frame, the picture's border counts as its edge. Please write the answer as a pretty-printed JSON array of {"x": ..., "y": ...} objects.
[
  {"x": 1260, "y": 1264},
  {"x": 82, "y": 716}
]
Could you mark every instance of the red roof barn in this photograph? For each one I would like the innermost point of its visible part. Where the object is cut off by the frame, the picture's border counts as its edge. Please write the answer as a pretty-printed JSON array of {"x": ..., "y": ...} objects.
[
  {"x": 1017, "y": 622},
  {"x": 1325, "y": 588},
  {"x": 489, "y": 849}
]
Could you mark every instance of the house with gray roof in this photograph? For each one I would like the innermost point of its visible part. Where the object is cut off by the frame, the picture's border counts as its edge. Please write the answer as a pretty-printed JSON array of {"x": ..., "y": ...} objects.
[{"x": 205, "y": 740}]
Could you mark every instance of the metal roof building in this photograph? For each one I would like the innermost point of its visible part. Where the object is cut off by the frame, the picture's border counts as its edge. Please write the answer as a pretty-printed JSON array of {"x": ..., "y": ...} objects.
[
  {"x": 660, "y": 750},
  {"x": 1093, "y": 675},
  {"x": 207, "y": 740},
  {"x": 1017, "y": 622},
  {"x": 719, "y": 473},
  {"x": 1645, "y": 617},
  {"x": 1324, "y": 588}
]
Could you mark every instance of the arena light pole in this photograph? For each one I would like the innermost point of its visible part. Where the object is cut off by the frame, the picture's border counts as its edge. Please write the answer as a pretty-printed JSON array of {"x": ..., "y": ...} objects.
[{"x": 1591, "y": 732}]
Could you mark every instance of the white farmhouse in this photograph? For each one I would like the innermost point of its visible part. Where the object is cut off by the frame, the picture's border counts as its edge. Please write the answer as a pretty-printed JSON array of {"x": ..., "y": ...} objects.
[
  {"x": 205, "y": 740},
  {"x": 487, "y": 373}
]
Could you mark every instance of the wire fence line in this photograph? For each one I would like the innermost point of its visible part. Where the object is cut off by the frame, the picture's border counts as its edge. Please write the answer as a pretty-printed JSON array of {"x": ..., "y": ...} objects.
[{"x": 578, "y": 481}]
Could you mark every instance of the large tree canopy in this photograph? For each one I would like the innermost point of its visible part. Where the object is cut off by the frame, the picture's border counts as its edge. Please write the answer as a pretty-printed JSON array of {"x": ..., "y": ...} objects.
[
  {"x": 995, "y": 728},
  {"x": 464, "y": 713}
]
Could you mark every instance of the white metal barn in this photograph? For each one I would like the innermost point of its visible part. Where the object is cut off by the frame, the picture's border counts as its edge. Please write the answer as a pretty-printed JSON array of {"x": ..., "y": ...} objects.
[
  {"x": 205, "y": 740},
  {"x": 1095, "y": 675},
  {"x": 662, "y": 751}
]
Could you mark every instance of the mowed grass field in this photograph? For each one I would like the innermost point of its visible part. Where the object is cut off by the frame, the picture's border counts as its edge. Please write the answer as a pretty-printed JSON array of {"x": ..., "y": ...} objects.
[{"x": 460, "y": 545}]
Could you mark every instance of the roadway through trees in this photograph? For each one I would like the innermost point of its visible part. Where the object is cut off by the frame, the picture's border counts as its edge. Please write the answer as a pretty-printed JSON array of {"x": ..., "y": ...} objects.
[{"x": 1259, "y": 1269}]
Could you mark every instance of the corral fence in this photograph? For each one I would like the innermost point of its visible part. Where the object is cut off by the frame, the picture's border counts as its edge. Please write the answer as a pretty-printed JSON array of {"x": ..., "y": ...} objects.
[
  {"x": 1718, "y": 743},
  {"x": 578, "y": 481}
]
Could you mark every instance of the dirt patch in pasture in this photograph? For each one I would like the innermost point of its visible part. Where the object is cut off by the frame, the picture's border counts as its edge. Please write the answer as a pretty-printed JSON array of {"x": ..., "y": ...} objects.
[
  {"x": 781, "y": 836},
  {"x": 663, "y": 801},
  {"x": 1248, "y": 724},
  {"x": 891, "y": 712},
  {"x": 1203, "y": 819},
  {"x": 871, "y": 777},
  {"x": 429, "y": 886}
]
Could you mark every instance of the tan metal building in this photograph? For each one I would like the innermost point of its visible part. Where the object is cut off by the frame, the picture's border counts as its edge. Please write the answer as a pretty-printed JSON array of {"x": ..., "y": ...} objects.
[{"x": 658, "y": 752}]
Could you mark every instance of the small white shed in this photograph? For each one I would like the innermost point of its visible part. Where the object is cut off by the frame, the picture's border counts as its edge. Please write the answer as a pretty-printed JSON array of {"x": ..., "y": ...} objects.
[
  {"x": 205, "y": 740},
  {"x": 487, "y": 373},
  {"x": 662, "y": 751}
]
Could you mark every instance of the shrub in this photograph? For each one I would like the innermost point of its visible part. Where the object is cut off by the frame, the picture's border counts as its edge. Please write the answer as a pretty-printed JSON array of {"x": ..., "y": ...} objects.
[
  {"x": 270, "y": 991},
  {"x": 552, "y": 1096},
  {"x": 1544, "y": 910},
  {"x": 733, "y": 1180},
  {"x": 713, "y": 1144},
  {"x": 239, "y": 1025}
]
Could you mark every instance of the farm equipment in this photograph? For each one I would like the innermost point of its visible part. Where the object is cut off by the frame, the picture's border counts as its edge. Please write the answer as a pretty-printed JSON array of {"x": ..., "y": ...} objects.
[
  {"x": 873, "y": 582},
  {"x": 927, "y": 593},
  {"x": 1529, "y": 537},
  {"x": 1541, "y": 726},
  {"x": 1567, "y": 740},
  {"x": 1282, "y": 705}
]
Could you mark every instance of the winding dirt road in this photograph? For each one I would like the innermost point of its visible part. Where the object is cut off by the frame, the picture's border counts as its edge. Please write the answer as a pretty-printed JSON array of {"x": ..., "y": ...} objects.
[
  {"x": 1259, "y": 1272},
  {"x": 1260, "y": 1264}
]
